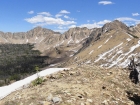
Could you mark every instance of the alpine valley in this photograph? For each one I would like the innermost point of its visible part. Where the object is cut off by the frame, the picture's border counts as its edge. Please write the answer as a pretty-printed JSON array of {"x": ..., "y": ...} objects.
[
  {"x": 109, "y": 46},
  {"x": 98, "y": 59}
]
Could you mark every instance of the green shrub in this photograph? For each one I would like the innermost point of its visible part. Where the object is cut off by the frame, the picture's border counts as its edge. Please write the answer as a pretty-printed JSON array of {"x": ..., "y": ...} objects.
[
  {"x": 37, "y": 81},
  {"x": 15, "y": 77}
]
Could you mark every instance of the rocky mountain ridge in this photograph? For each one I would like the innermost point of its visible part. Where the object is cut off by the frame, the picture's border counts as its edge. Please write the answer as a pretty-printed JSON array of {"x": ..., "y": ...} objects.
[
  {"x": 96, "y": 58},
  {"x": 98, "y": 45}
]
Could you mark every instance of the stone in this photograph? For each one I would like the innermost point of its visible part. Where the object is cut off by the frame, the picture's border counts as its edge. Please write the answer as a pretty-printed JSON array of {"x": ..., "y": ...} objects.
[
  {"x": 89, "y": 100},
  {"x": 87, "y": 103},
  {"x": 56, "y": 99},
  {"x": 82, "y": 103},
  {"x": 50, "y": 96},
  {"x": 108, "y": 74},
  {"x": 80, "y": 96},
  {"x": 41, "y": 102},
  {"x": 47, "y": 103},
  {"x": 130, "y": 103},
  {"x": 105, "y": 102}
]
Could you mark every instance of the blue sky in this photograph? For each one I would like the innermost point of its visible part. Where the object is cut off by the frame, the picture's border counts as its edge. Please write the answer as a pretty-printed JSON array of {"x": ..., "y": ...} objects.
[{"x": 60, "y": 15}]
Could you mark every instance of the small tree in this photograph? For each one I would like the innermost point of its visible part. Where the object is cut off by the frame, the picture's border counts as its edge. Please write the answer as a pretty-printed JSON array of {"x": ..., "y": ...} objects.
[
  {"x": 37, "y": 68},
  {"x": 38, "y": 80}
]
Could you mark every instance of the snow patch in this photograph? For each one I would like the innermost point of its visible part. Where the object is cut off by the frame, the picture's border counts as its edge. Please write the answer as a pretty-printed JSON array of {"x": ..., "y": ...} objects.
[
  {"x": 36, "y": 38},
  {"x": 91, "y": 52},
  {"x": 101, "y": 56},
  {"x": 6, "y": 90},
  {"x": 127, "y": 61},
  {"x": 128, "y": 39},
  {"x": 121, "y": 57},
  {"x": 75, "y": 51},
  {"x": 71, "y": 55},
  {"x": 69, "y": 41},
  {"x": 88, "y": 62},
  {"x": 100, "y": 46},
  {"x": 133, "y": 48},
  {"x": 106, "y": 40},
  {"x": 5, "y": 39},
  {"x": 77, "y": 41},
  {"x": 129, "y": 34},
  {"x": 27, "y": 41},
  {"x": 62, "y": 42},
  {"x": 53, "y": 65}
]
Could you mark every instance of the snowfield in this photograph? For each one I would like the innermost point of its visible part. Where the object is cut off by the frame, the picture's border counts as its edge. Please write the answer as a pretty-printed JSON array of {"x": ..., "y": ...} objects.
[{"x": 6, "y": 90}]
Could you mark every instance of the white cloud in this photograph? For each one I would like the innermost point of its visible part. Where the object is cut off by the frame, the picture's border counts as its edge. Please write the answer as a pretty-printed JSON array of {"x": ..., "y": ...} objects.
[
  {"x": 61, "y": 27},
  {"x": 95, "y": 24},
  {"x": 103, "y": 22},
  {"x": 105, "y": 2},
  {"x": 135, "y": 14},
  {"x": 67, "y": 17},
  {"x": 64, "y": 12},
  {"x": 58, "y": 15},
  {"x": 72, "y": 26},
  {"x": 61, "y": 13},
  {"x": 45, "y": 13},
  {"x": 30, "y": 12},
  {"x": 124, "y": 19},
  {"x": 45, "y": 20}
]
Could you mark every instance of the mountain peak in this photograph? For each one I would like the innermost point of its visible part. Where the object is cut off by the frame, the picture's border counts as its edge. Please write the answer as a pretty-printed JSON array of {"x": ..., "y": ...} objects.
[
  {"x": 116, "y": 21},
  {"x": 39, "y": 28},
  {"x": 116, "y": 24}
]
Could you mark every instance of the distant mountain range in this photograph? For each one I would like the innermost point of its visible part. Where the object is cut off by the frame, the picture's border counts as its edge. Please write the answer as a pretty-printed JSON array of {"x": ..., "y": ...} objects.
[{"x": 112, "y": 45}]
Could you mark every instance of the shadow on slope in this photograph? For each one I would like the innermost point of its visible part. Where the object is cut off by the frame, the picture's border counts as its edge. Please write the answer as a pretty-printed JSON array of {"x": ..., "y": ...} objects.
[{"x": 133, "y": 97}]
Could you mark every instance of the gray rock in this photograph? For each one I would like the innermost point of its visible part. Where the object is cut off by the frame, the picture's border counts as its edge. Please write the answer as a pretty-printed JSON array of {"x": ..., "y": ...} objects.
[
  {"x": 138, "y": 70},
  {"x": 89, "y": 100},
  {"x": 56, "y": 99},
  {"x": 82, "y": 103},
  {"x": 50, "y": 96}
]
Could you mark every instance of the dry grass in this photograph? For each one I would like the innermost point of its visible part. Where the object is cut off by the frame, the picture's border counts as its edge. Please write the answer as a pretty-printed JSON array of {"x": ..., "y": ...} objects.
[{"x": 78, "y": 85}]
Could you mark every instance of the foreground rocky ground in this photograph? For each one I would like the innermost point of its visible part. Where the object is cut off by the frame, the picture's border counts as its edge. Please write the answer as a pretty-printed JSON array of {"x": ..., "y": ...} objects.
[{"x": 84, "y": 85}]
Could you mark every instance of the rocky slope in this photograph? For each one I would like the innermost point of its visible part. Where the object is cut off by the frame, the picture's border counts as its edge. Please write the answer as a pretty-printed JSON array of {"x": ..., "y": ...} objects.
[
  {"x": 50, "y": 43},
  {"x": 83, "y": 85},
  {"x": 111, "y": 45}
]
